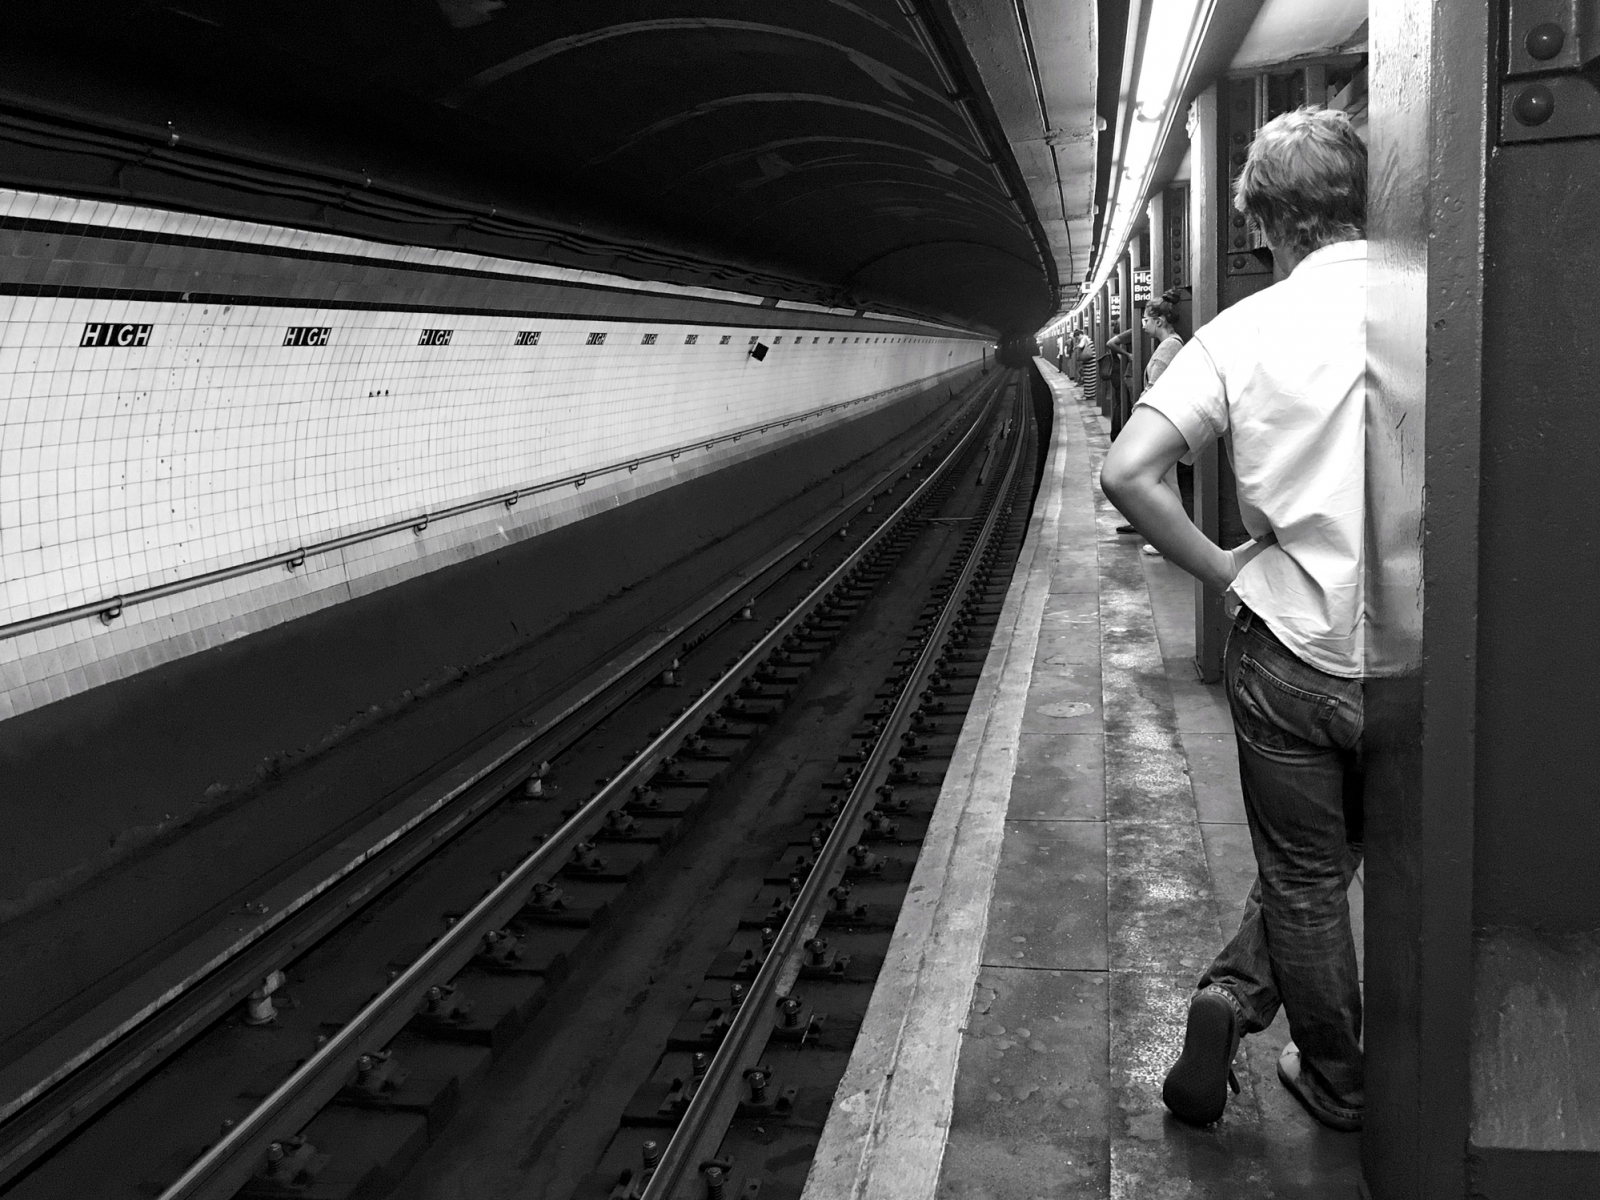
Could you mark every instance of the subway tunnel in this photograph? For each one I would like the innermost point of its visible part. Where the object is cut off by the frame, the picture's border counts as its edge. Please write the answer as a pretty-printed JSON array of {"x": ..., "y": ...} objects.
[{"x": 561, "y": 634}]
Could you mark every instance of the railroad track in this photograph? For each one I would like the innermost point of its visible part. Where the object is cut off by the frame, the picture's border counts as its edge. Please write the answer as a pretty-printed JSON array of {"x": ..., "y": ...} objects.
[
  {"x": 318, "y": 1043},
  {"x": 740, "y": 1092}
]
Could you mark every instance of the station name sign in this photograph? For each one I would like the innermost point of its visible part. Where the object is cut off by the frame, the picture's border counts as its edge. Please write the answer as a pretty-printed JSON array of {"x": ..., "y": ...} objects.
[
  {"x": 107, "y": 333},
  {"x": 307, "y": 335},
  {"x": 1141, "y": 286}
]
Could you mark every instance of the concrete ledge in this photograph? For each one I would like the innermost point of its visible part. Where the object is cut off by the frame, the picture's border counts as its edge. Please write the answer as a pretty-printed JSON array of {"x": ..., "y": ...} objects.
[
  {"x": 1500, "y": 1174},
  {"x": 1535, "y": 1045},
  {"x": 886, "y": 1133}
]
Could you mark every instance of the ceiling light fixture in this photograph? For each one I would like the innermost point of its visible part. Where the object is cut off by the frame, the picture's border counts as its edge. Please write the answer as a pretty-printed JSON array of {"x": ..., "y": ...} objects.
[{"x": 1171, "y": 34}]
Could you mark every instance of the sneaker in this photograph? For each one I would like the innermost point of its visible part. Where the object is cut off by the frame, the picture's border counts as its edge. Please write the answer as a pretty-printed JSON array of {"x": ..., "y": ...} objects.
[
  {"x": 1196, "y": 1089},
  {"x": 1147, "y": 548},
  {"x": 1289, "y": 1075}
]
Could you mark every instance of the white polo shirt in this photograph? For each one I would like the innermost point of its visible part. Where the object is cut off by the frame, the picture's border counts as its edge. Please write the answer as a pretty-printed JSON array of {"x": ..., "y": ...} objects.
[{"x": 1284, "y": 372}]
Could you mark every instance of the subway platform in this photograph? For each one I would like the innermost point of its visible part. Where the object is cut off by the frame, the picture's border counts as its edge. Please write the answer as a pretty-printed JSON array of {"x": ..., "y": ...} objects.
[{"x": 1087, "y": 859}]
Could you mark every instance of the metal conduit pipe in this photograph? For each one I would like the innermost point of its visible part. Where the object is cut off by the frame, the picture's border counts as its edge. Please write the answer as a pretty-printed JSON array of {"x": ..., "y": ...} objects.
[
  {"x": 924, "y": 35},
  {"x": 963, "y": 100}
]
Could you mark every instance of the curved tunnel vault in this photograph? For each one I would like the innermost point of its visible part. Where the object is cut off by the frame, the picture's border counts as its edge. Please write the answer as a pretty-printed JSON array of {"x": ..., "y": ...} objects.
[
  {"x": 309, "y": 303},
  {"x": 812, "y": 152}
]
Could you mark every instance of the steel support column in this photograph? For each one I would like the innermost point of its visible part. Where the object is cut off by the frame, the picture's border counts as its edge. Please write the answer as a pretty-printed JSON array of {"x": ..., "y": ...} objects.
[
  {"x": 1206, "y": 191},
  {"x": 1156, "y": 215},
  {"x": 1140, "y": 350},
  {"x": 1102, "y": 313},
  {"x": 1121, "y": 401},
  {"x": 1425, "y": 330},
  {"x": 1483, "y": 1038}
]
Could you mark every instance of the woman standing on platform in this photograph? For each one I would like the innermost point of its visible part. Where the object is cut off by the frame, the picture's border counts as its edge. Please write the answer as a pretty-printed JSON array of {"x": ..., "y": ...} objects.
[
  {"x": 1160, "y": 317},
  {"x": 1160, "y": 322},
  {"x": 1088, "y": 369}
]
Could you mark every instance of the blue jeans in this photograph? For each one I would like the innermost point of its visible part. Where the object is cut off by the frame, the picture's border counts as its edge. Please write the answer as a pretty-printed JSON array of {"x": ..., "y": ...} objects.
[{"x": 1299, "y": 735}]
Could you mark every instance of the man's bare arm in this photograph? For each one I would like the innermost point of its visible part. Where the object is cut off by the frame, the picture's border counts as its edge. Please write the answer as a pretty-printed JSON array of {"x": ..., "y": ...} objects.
[{"x": 1144, "y": 451}]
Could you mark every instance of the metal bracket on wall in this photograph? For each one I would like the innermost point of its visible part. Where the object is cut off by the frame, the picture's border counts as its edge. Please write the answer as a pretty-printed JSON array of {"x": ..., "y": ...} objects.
[
  {"x": 1246, "y": 103},
  {"x": 1175, "y": 234},
  {"x": 1247, "y": 108},
  {"x": 1550, "y": 81}
]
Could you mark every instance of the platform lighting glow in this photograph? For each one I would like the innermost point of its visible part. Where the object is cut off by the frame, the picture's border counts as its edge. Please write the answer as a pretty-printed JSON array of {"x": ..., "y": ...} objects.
[{"x": 1173, "y": 35}]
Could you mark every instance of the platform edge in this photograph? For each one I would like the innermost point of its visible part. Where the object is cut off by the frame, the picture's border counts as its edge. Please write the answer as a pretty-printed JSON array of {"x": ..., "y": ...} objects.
[{"x": 886, "y": 1131}]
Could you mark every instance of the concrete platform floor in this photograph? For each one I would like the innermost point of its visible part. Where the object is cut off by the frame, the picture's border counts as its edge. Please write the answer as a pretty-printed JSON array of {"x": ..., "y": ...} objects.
[
  {"x": 1058, "y": 1087},
  {"x": 1089, "y": 857}
]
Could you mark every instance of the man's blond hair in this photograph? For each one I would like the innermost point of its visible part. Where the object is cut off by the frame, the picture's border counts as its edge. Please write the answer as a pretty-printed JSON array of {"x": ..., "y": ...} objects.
[{"x": 1304, "y": 184}]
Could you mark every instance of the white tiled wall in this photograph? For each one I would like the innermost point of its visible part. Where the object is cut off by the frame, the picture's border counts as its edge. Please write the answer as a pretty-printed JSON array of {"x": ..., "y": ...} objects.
[{"x": 213, "y": 443}]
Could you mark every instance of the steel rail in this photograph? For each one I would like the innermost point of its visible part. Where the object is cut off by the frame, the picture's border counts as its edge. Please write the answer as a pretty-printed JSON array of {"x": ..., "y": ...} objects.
[
  {"x": 110, "y": 608},
  {"x": 120, "y": 1052},
  {"x": 228, "y": 1164},
  {"x": 703, "y": 1126}
]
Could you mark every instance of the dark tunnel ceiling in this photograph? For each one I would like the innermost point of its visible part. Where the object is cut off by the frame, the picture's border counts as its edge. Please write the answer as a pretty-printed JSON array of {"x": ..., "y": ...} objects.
[{"x": 808, "y": 149}]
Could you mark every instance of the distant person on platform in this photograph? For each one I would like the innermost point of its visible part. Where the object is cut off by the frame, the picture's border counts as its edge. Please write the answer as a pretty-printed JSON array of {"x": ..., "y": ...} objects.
[
  {"x": 1160, "y": 322},
  {"x": 1160, "y": 317},
  {"x": 1088, "y": 368},
  {"x": 1284, "y": 372}
]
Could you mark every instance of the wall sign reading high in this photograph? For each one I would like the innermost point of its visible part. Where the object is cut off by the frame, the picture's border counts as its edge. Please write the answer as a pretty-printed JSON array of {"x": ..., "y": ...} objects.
[
  {"x": 108, "y": 333},
  {"x": 247, "y": 433}
]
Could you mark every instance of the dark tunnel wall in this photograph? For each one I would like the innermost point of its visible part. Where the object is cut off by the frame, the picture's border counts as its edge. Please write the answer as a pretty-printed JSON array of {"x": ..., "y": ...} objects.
[{"x": 803, "y": 151}]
